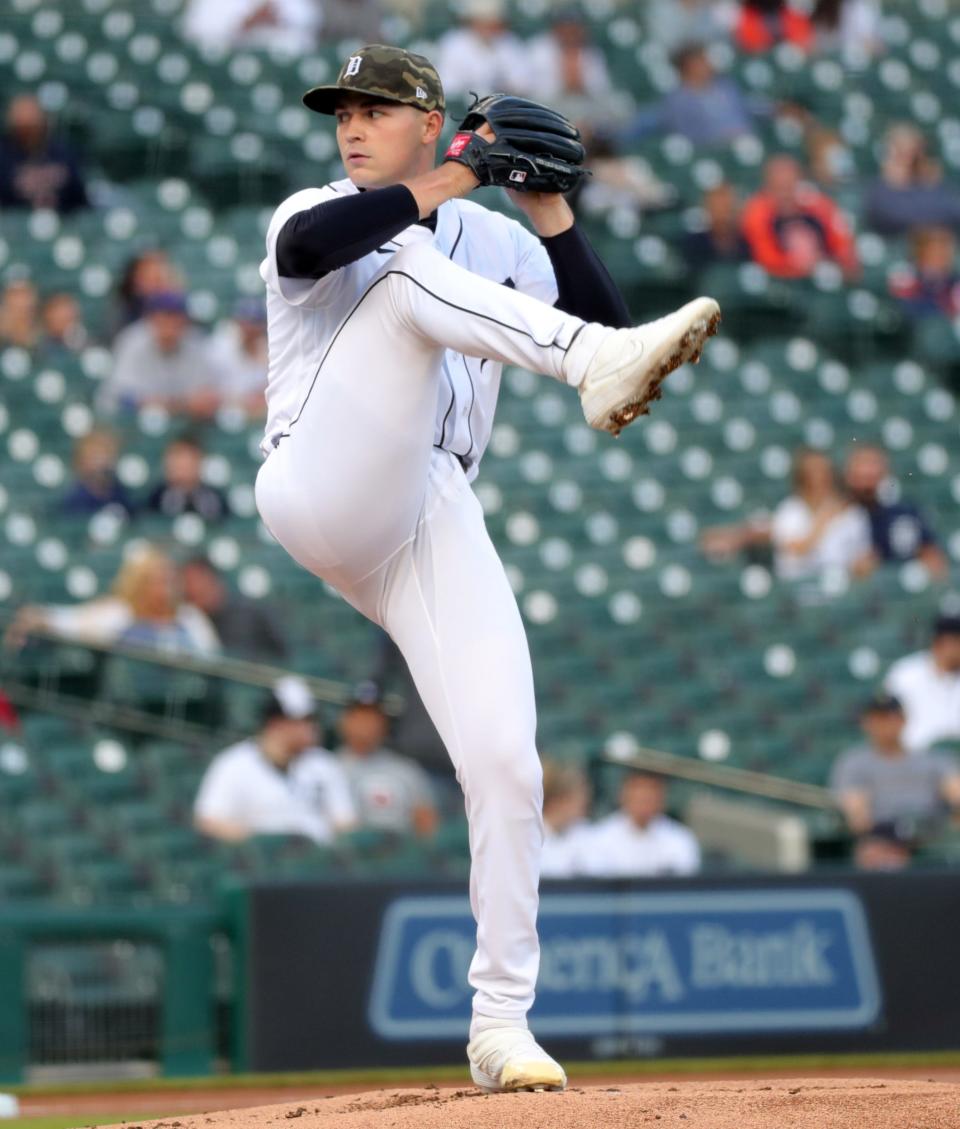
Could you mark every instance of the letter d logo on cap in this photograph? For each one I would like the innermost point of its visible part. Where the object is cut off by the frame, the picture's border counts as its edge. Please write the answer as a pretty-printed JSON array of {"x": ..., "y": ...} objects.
[{"x": 353, "y": 65}]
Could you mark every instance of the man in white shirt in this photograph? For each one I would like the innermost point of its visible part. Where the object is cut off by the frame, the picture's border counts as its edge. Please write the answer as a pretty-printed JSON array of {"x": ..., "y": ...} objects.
[
  {"x": 482, "y": 53},
  {"x": 279, "y": 782},
  {"x": 162, "y": 359},
  {"x": 639, "y": 840},
  {"x": 928, "y": 685},
  {"x": 288, "y": 26}
]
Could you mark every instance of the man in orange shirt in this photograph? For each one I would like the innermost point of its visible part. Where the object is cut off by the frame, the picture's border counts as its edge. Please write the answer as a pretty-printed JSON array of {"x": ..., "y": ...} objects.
[
  {"x": 762, "y": 24},
  {"x": 791, "y": 227}
]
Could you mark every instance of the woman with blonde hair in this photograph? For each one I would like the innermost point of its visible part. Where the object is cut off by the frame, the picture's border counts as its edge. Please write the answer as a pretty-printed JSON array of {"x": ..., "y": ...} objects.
[
  {"x": 818, "y": 527},
  {"x": 144, "y": 608}
]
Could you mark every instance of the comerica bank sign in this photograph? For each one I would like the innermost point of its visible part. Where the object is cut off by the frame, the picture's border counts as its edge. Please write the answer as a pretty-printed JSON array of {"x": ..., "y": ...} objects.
[{"x": 615, "y": 964}]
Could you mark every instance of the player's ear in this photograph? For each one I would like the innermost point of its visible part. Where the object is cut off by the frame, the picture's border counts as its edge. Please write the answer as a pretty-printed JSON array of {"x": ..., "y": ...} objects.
[{"x": 432, "y": 125}]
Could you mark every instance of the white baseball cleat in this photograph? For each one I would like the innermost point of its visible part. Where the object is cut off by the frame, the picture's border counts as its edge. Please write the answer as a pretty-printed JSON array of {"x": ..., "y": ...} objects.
[
  {"x": 624, "y": 376},
  {"x": 509, "y": 1058}
]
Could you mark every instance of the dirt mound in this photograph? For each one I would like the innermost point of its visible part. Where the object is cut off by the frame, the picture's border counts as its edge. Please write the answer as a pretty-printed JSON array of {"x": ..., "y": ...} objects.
[{"x": 795, "y": 1103}]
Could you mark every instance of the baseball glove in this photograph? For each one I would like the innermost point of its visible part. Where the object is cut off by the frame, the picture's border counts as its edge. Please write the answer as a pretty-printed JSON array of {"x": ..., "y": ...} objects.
[{"x": 535, "y": 148}]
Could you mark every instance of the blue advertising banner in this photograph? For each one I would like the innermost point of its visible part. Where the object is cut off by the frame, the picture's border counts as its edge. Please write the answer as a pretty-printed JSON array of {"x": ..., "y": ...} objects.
[{"x": 684, "y": 961}]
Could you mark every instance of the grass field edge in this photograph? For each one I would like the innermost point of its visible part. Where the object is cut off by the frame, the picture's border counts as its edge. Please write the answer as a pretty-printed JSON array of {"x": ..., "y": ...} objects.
[{"x": 425, "y": 1074}]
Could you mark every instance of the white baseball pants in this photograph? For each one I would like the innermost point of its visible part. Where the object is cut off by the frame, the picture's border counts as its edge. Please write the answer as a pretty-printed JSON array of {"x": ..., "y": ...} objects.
[{"x": 357, "y": 494}]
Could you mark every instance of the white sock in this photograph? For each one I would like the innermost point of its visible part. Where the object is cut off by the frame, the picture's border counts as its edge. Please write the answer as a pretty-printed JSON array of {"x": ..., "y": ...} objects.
[
  {"x": 481, "y": 1023},
  {"x": 582, "y": 351}
]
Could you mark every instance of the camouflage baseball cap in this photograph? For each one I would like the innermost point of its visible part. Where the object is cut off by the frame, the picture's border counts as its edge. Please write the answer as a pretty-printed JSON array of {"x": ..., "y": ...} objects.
[{"x": 382, "y": 72}]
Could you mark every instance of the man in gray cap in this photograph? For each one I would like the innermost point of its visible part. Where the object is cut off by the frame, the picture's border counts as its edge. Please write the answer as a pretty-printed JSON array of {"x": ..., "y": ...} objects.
[
  {"x": 392, "y": 305},
  {"x": 162, "y": 359}
]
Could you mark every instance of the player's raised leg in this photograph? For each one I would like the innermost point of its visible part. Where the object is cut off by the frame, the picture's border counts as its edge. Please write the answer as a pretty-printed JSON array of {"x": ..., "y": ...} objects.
[
  {"x": 617, "y": 371},
  {"x": 345, "y": 487}
]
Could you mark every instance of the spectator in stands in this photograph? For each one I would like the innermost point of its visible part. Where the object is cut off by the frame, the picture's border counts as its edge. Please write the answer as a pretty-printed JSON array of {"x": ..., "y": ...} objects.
[
  {"x": 567, "y": 832},
  {"x": 931, "y": 286},
  {"x": 290, "y": 27},
  {"x": 673, "y": 23},
  {"x": 762, "y": 24},
  {"x": 182, "y": 490},
  {"x": 163, "y": 360},
  {"x": 883, "y": 848},
  {"x": 791, "y": 227},
  {"x": 63, "y": 330},
  {"x": 928, "y": 684},
  {"x": 721, "y": 240},
  {"x": 18, "y": 314},
  {"x": 161, "y": 618},
  {"x": 143, "y": 592},
  {"x": 37, "y": 170},
  {"x": 880, "y": 782},
  {"x": 910, "y": 191},
  {"x": 390, "y": 792},
  {"x": 706, "y": 108},
  {"x": 899, "y": 531},
  {"x": 566, "y": 71},
  {"x": 238, "y": 351},
  {"x": 849, "y": 28},
  {"x": 146, "y": 274},
  {"x": 482, "y": 54},
  {"x": 360, "y": 20},
  {"x": 640, "y": 839},
  {"x": 831, "y": 163},
  {"x": 279, "y": 781},
  {"x": 95, "y": 484},
  {"x": 247, "y": 629},
  {"x": 817, "y": 528}
]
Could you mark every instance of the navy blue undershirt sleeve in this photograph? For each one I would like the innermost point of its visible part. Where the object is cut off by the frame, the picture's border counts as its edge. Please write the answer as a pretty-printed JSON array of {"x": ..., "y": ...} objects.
[
  {"x": 336, "y": 232},
  {"x": 585, "y": 287}
]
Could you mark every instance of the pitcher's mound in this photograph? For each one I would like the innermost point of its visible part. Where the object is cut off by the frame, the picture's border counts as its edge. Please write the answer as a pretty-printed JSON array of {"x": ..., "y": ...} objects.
[{"x": 792, "y": 1104}]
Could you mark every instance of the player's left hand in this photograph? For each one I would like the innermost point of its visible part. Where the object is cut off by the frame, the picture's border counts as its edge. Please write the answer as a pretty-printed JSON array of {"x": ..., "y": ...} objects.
[{"x": 534, "y": 148}]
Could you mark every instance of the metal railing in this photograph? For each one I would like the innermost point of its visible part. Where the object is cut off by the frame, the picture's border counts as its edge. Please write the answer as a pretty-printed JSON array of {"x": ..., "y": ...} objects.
[
  {"x": 264, "y": 675},
  {"x": 44, "y": 693},
  {"x": 756, "y": 784}
]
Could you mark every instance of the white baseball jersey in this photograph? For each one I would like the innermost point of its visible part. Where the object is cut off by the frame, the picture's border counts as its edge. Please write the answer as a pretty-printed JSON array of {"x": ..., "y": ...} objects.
[{"x": 305, "y": 314}]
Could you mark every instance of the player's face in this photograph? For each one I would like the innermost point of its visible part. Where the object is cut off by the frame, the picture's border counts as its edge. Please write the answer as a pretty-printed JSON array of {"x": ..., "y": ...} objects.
[{"x": 382, "y": 143}]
